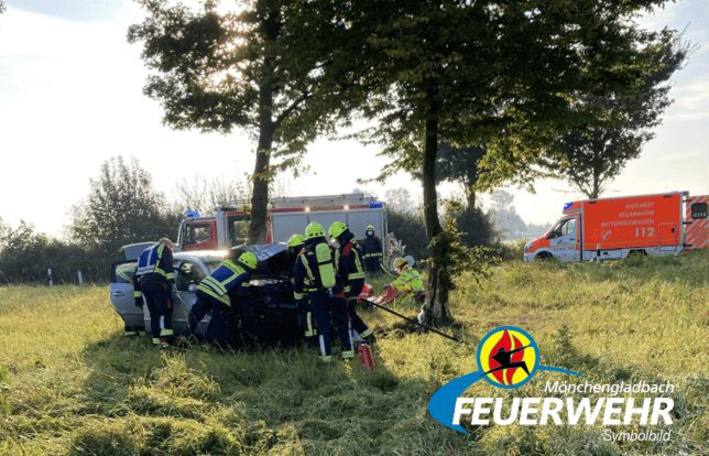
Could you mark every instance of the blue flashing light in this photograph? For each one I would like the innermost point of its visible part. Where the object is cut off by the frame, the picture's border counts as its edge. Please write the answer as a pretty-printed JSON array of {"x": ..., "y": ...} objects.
[
  {"x": 568, "y": 205},
  {"x": 190, "y": 213},
  {"x": 376, "y": 205}
]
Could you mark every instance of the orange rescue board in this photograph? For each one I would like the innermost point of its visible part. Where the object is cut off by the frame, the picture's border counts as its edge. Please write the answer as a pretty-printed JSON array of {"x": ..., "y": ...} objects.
[{"x": 642, "y": 221}]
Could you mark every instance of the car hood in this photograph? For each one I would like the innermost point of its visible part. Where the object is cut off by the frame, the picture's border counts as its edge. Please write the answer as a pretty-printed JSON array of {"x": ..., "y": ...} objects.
[{"x": 274, "y": 260}]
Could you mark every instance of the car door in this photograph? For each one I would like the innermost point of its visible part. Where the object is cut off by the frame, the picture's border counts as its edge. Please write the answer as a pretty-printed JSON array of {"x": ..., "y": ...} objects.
[
  {"x": 121, "y": 295},
  {"x": 562, "y": 241},
  {"x": 188, "y": 273}
]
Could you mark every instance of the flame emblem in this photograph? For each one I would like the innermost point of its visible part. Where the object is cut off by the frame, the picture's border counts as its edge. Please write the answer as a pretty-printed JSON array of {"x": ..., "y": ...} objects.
[{"x": 508, "y": 356}]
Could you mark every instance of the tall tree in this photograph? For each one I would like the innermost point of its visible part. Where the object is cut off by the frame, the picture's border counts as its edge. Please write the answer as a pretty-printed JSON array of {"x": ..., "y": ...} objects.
[
  {"x": 460, "y": 166},
  {"x": 400, "y": 200},
  {"x": 253, "y": 69},
  {"x": 593, "y": 154},
  {"x": 122, "y": 207},
  {"x": 489, "y": 73}
]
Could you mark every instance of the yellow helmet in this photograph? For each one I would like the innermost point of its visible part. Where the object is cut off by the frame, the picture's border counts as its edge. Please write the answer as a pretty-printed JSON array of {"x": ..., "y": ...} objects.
[
  {"x": 336, "y": 229},
  {"x": 314, "y": 230},
  {"x": 400, "y": 263},
  {"x": 296, "y": 240},
  {"x": 370, "y": 227},
  {"x": 248, "y": 260}
]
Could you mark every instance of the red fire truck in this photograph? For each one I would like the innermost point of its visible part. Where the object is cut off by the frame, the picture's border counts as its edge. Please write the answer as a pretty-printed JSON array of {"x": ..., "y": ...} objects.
[
  {"x": 611, "y": 228},
  {"x": 229, "y": 226}
]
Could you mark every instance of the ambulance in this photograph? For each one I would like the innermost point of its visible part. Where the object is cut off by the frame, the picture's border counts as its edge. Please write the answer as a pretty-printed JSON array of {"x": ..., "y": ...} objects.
[{"x": 613, "y": 228}]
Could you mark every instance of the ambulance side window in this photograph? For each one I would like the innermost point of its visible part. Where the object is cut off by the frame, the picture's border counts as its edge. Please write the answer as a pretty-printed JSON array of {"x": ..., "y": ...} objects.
[
  {"x": 699, "y": 210},
  {"x": 569, "y": 228},
  {"x": 556, "y": 232}
]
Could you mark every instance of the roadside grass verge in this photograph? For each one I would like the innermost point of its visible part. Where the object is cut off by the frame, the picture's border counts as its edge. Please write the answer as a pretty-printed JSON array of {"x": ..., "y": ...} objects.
[{"x": 70, "y": 384}]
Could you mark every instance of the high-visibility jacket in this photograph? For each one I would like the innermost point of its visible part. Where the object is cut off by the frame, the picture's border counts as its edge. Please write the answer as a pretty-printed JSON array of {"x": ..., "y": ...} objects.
[
  {"x": 155, "y": 264},
  {"x": 224, "y": 279},
  {"x": 349, "y": 267},
  {"x": 408, "y": 280},
  {"x": 371, "y": 247},
  {"x": 306, "y": 277}
]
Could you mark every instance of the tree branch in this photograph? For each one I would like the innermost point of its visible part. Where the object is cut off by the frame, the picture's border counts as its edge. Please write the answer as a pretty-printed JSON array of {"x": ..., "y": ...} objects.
[{"x": 290, "y": 109}]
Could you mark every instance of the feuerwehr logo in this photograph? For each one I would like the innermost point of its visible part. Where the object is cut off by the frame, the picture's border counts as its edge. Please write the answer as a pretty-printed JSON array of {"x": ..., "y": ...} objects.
[{"x": 507, "y": 357}]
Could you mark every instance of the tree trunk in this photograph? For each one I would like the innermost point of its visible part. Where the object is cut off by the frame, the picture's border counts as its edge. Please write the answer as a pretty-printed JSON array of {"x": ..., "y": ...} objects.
[
  {"x": 470, "y": 197},
  {"x": 596, "y": 187},
  {"x": 262, "y": 172},
  {"x": 436, "y": 308}
]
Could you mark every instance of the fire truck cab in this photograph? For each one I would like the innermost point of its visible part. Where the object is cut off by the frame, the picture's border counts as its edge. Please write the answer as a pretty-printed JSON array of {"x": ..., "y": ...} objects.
[
  {"x": 229, "y": 226},
  {"x": 613, "y": 228}
]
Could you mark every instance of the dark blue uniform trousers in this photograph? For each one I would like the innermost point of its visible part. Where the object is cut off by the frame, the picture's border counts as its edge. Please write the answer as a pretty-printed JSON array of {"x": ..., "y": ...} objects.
[
  {"x": 221, "y": 329},
  {"x": 329, "y": 310},
  {"x": 157, "y": 297}
]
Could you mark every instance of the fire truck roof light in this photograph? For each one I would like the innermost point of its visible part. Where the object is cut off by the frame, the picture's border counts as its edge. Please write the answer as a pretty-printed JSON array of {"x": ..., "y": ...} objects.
[
  {"x": 190, "y": 213},
  {"x": 346, "y": 207},
  {"x": 307, "y": 209},
  {"x": 568, "y": 205},
  {"x": 376, "y": 205}
]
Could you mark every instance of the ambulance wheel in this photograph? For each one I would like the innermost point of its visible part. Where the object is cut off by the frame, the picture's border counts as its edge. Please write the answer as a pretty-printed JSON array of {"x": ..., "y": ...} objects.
[{"x": 545, "y": 256}]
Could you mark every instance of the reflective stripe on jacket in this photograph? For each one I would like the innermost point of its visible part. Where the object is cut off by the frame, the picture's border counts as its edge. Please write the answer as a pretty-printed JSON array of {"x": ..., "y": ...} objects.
[
  {"x": 409, "y": 280},
  {"x": 371, "y": 247},
  {"x": 156, "y": 260},
  {"x": 349, "y": 268},
  {"x": 306, "y": 277},
  {"x": 222, "y": 280}
]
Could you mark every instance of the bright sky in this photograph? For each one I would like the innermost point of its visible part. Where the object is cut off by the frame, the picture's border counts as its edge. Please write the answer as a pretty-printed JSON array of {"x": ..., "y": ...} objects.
[{"x": 71, "y": 97}]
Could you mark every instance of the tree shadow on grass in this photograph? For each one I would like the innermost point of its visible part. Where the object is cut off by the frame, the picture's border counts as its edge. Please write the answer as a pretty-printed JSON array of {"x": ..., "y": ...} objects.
[{"x": 143, "y": 401}]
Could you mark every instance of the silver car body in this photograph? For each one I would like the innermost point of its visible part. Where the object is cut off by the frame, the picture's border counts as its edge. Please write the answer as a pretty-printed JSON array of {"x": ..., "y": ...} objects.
[{"x": 190, "y": 269}]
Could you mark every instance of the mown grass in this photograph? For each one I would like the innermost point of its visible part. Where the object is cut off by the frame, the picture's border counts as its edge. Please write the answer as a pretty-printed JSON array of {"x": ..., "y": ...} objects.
[{"x": 70, "y": 384}]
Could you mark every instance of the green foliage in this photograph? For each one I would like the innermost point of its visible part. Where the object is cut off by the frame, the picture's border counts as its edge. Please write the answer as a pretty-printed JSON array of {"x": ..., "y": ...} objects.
[
  {"x": 408, "y": 227},
  {"x": 72, "y": 385},
  {"x": 458, "y": 256},
  {"x": 25, "y": 256},
  {"x": 460, "y": 166},
  {"x": 591, "y": 156},
  {"x": 623, "y": 74},
  {"x": 122, "y": 208},
  {"x": 473, "y": 225},
  {"x": 259, "y": 67}
]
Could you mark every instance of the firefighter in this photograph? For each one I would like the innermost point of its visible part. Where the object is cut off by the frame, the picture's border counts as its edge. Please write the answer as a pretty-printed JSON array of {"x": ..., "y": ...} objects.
[
  {"x": 372, "y": 251},
  {"x": 351, "y": 273},
  {"x": 408, "y": 281},
  {"x": 316, "y": 279},
  {"x": 213, "y": 293},
  {"x": 295, "y": 246},
  {"x": 155, "y": 277}
]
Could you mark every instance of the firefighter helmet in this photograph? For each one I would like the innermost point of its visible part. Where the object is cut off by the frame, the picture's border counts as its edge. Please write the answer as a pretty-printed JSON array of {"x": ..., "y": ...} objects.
[
  {"x": 399, "y": 263},
  {"x": 296, "y": 240},
  {"x": 314, "y": 230},
  {"x": 248, "y": 260},
  {"x": 336, "y": 229}
]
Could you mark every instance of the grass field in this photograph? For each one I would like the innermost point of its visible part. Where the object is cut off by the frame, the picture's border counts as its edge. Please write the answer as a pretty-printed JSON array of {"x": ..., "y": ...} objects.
[{"x": 70, "y": 384}]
